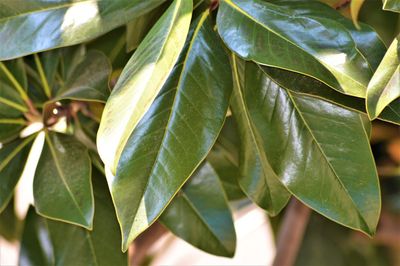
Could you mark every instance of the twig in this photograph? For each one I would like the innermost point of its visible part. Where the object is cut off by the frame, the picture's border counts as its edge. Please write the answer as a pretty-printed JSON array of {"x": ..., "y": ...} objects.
[{"x": 291, "y": 233}]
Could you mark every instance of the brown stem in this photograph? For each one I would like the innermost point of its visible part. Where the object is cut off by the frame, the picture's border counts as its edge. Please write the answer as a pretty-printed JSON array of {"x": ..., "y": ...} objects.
[
  {"x": 291, "y": 233},
  {"x": 139, "y": 249}
]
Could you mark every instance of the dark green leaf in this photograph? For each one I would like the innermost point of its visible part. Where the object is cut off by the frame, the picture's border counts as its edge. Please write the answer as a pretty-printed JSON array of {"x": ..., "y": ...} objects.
[
  {"x": 297, "y": 35},
  {"x": 89, "y": 80},
  {"x": 9, "y": 223},
  {"x": 141, "y": 81},
  {"x": 176, "y": 133},
  {"x": 200, "y": 214},
  {"x": 12, "y": 160},
  {"x": 257, "y": 178},
  {"x": 384, "y": 86},
  {"x": 62, "y": 186},
  {"x": 319, "y": 150},
  {"x": 36, "y": 247},
  {"x": 61, "y": 23}
]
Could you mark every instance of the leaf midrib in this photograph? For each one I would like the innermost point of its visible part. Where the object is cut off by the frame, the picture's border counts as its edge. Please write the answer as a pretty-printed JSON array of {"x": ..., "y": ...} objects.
[{"x": 15, "y": 152}]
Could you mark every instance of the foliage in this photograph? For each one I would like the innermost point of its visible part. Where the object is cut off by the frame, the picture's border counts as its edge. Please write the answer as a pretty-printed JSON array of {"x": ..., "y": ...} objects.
[{"x": 184, "y": 107}]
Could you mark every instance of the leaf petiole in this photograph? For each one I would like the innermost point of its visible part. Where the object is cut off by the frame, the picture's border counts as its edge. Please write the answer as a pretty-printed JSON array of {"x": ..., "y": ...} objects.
[{"x": 42, "y": 75}]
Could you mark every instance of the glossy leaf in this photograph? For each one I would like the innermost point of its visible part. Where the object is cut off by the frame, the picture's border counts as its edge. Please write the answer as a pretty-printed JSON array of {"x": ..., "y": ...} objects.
[
  {"x": 200, "y": 215},
  {"x": 391, "y": 5},
  {"x": 384, "y": 86},
  {"x": 176, "y": 133},
  {"x": 9, "y": 223},
  {"x": 297, "y": 36},
  {"x": 303, "y": 84},
  {"x": 12, "y": 160},
  {"x": 62, "y": 186},
  {"x": 257, "y": 178},
  {"x": 319, "y": 150},
  {"x": 89, "y": 79},
  {"x": 36, "y": 247},
  {"x": 61, "y": 23},
  {"x": 141, "y": 80},
  {"x": 355, "y": 6},
  {"x": 74, "y": 245}
]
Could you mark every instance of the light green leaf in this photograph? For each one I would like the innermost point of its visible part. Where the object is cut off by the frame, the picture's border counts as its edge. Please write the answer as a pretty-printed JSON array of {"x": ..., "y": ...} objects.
[
  {"x": 176, "y": 133},
  {"x": 355, "y": 6},
  {"x": 298, "y": 36},
  {"x": 62, "y": 186},
  {"x": 89, "y": 80},
  {"x": 257, "y": 178},
  {"x": 200, "y": 215},
  {"x": 384, "y": 86},
  {"x": 12, "y": 160},
  {"x": 61, "y": 23},
  {"x": 141, "y": 80},
  {"x": 320, "y": 151},
  {"x": 391, "y": 5}
]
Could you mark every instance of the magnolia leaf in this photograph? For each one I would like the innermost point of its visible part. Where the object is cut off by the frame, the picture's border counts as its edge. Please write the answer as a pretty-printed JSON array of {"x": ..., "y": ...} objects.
[
  {"x": 176, "y": 133},
  {"x": 297, "y": 36},
  {"x": 61, "y": 23},
  {"x": 384, "y": 86},
  {"x": 141, "y": 80},
  {"x": 62, "y": 186},
  {"x": 257, "y": 178},
  {"x": 200, "y": 215},
  {"x": 320, "y": 151}
]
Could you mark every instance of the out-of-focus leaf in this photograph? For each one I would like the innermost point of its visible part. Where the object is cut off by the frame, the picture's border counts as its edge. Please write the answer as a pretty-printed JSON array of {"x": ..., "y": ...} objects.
[
  {"x": 12, "y": 160},
  {"x": 303, "y": 84},
  {"x": 36, "y": 247},
  {"x": 141, "y": 80},
  {"x": 200, "y": 214},
  {"x": 391, "y": 5},
  {"x": 384, "y": 86},
  {"x": 62, "y": 186},
  {"x": 257, "y": 178},
  {"x": 297, "y": 36},
  {"x": 355, "y": 6},
  {"x": 9, "y": 223},
  {"x": 320, "y": 151},
  {"x": 11, "y": 104},
  {"x": 176, "y": 134},
  {"x": 61, "y": 23},
  {"x": 89, "y": 80}
]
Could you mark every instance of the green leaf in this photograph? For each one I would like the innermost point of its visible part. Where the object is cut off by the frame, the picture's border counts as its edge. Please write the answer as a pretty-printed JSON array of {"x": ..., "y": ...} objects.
[
  {"x": 48, "y": 242},
  {"x": 9, "y": 223},
  {"x": 61, "y": 23},
  {"x": 200, "y": 215},
  {"x": 391, "y": 5},
  {"x": 36, "y": 247},
  {"x": 303, "y": 84},
  {"x": 297, "y": 36},
  {"x": 10, "y": 129},
  {"x": 384, "y": 86},
  {"x": 62, "y": 186},
  {"x": 257, "y": 178},
  {"x": 355, "y": 6},
  {"x": 141, "y": 80},
  {"x": 224, "y": 158},
  {"x": 319, "y": 150},
  {"x": 89, "y": 80},
  {"x": 11, "y": 104},
  {"x": 176, "y": 133},
  {"x": 12, "y": 160},
  {"x": 74, "y": 245}
]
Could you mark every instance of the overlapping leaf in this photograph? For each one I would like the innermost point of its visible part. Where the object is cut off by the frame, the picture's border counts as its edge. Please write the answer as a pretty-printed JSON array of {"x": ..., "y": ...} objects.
[
  {"x": 384, "y": 86},
  {"x": 176, "y": 133},
  {"x": 47, "y": 242},
  {"x": 300, "y": 36},
  {"x": 12, "y": 160},
  {"x": 200, "y": 214},
  {"x": 141, "y": 80},
  {"x": 257, "y": 178},
  {"x": 320, "y": 151},
  {"x": 62, "y": 186},
  {"x": 61, "y": 23}
]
